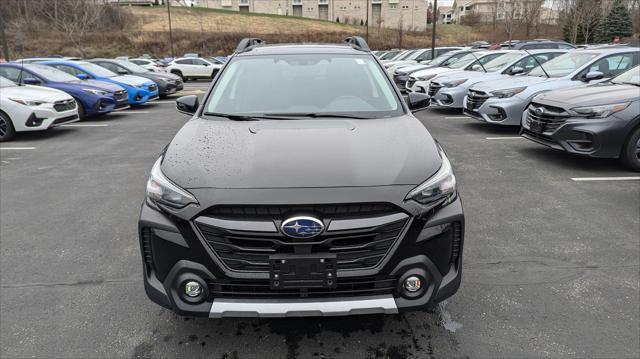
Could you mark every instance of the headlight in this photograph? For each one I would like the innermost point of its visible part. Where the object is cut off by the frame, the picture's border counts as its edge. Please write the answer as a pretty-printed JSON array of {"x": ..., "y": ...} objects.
[
  {"x": 508, "y": 92},
  {"x": 28, "y": 102},
  {"x": 454, "y": 83},
  {"x": 95, "y": 92},
  {"x": 426, "y": 77},
  {"x": 161, "y": 190},
  {"x": 441, "y": 186},
  {"x": 141, "y": 86},
  {"x": 600, "y": 111}
]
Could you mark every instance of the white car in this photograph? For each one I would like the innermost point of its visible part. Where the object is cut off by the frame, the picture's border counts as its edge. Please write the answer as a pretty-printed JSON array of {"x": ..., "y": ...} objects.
[
  {"x": 419, "y": 81},
  {"x": 33, "y": 108},
  {"x": 195, "y": 67},
  {"x": 148, "y": 64},
  {"x": 420, "y": 56}
]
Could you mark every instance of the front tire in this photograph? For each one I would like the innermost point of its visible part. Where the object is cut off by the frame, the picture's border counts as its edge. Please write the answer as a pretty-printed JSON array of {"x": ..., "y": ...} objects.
[
  {"x": 179, "y": 73},
  {"x": 631, "y": 151},
  {"x": 7, "y": 131},
  {"x": 81, "y": 112}
]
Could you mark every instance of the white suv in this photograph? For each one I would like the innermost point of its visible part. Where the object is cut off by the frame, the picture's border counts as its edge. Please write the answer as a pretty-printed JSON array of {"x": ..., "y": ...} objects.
[
  {"x": 195, "y": 67},
  {"x": 33, "y": 108}
]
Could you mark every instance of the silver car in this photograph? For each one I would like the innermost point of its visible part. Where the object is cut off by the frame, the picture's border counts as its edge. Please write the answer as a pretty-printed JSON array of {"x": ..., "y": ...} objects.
[
  {"x": 504, "y": 101},
  {"x": 449, "y": 90}
]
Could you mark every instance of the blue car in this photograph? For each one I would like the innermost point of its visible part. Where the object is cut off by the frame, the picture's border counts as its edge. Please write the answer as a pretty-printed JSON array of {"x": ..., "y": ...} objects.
[
  {"x": 139, "y": 89},
  {"x": 93, "y": 97}
]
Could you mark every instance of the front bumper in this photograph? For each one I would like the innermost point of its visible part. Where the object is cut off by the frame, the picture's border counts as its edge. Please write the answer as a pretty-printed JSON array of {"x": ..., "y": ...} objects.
[
  {"x": 452, "y": 97},
  {"x": 417, "y": 86},
  {"x": 140, "y": 96},
  {"x": 598, "y": 138},
  {"x": 504, "y": 111},
  {"x": 169, "y": 88},
  {"x": 45, "y": 116},
  {"x": 174, "y": 253}
]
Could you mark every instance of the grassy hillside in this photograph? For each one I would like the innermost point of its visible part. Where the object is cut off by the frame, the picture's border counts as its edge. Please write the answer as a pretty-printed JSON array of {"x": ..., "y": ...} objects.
[{"x": 217, "y": 32}]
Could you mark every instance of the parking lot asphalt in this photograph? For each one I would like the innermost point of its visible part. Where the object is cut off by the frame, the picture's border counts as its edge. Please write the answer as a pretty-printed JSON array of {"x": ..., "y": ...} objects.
[{"x": 551, "y": 262}]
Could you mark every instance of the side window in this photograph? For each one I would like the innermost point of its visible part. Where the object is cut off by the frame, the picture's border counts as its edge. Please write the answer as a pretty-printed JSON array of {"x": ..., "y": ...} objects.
[
  {"x": 613, "y": 65},
  {"x": 184, "y": 62},
  {"x": 70, "y": 70},
  {"x": 453, "y": 59},
  {"x": 199, "y": 62},
  {"x": 425, "y": 55},
  {"x": 11, "y": 73}
]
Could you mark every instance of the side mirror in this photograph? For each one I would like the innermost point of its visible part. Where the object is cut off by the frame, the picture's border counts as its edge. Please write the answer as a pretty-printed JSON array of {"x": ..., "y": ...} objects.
[
  {"x": 418, "y": 101},
  {"x": 187, "y": 104},
  {"x": 31, "y": 81},
  {"x": 205, "y": 64},
  {"x": 516, "y": 70},
  {"x": 123, "y": 72},
  {"x": 593, "y": 75},
  {"x": 82, "y": 76},
  {"x": 476, "y": 67}
]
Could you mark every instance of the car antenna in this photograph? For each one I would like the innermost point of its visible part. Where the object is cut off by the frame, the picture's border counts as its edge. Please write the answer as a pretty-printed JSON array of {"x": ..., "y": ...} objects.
[
  {"x": 538, "y": 62},
  {"x": 479, "y": 63}
]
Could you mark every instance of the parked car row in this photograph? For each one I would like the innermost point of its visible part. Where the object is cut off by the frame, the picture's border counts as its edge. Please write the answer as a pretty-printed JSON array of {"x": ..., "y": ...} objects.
[
  {"x": 584, "y": 101},
  {"x": 40, "y": 93}
]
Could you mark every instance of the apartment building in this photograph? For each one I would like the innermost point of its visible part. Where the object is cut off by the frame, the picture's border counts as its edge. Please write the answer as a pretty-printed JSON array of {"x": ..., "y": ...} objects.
[
  {"x": 408, "y": 14},
  {"x": 496, "y": 10}
]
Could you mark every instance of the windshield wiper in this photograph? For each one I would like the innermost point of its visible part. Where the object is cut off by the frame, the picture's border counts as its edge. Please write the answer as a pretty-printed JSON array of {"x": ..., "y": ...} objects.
[
  {"x": 317, "y": 115},
  {"x": 232, "y": 116}
]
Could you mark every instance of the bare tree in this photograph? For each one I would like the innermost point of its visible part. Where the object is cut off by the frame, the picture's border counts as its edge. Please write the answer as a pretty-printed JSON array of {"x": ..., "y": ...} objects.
[
  {"x": 74, "y": 18},
  {"x": 532, "y": 9},
  {"x": 513, "y": 16},
  {"x": 589, "y": 14}
]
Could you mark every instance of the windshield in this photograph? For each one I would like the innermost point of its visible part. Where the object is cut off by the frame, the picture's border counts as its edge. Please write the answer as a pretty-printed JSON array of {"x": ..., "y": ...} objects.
[
  {"x": 214, "y": 60},
  {"x": 389, "y": 55},
  {"x": 294, "y": 84},
  {"x": 51, "y": 73},
  {"x": 499, "y": 62},
  {"x": 631, "y": 77},
  {"x": 563, "y": 65},
  {"x": 406, "y": 55},
  {"x": 131, "y": 66},
  {"x": 5, "y": 82},
  {"x": 97, "y": 70}
]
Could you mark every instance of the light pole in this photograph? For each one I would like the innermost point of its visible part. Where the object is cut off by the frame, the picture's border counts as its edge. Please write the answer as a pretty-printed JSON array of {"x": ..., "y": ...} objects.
[
  {"x": 170, "y": 30},
  {"x": 366, "y": 22},
  {"x": 434, "y": 19}
]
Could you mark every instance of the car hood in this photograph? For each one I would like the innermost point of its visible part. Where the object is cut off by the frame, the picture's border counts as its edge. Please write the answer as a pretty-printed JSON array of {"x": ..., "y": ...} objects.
[
  {"x": 592, "y": 95},
  {"x": 101, "y": 85},
  {"x": 459, "y": 75},
  {"x": 155, "y": 76},
  {"x": 508, "y": 82},
  {"x": 39, "y": 93},
  {"x": 413, "y": 68},
  {"x": 301, "y": 153},
  {"x": 131, "y": 80},
  {"x": 433, "y": 71}
]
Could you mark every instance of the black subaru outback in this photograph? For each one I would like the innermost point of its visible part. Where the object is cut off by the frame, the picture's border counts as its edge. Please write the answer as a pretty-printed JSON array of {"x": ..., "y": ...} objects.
[{"x": 302, "y": 186}]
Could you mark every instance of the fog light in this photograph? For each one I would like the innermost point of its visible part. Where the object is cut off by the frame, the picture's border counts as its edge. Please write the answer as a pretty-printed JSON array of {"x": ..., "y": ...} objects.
[
  {"x": 412, "y": 284},
  {"x": 192, "y": 289}
]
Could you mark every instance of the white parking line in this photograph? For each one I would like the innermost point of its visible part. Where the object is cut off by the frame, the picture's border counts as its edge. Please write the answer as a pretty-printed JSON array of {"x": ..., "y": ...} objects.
[
  {"x": 165, "y": 101},
  {"x": 505, "y": 138},
  {"x": 85, "y": 125},
  {"x": 17, "y": 148},
  {"x": 134, "y": 112},
  {"x": 586, "y": 179}
]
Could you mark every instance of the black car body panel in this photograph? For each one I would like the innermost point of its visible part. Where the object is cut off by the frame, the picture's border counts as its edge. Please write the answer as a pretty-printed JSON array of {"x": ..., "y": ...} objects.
[{"x": 250, "y": 178}]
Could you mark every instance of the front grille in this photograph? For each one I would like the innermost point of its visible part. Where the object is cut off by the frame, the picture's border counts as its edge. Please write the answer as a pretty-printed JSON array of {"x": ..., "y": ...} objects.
[
  {"x": 354, "y": 248},
  {"x": 347, "y": 287},
  {"x": 545, "y": 118},
  {"x": 321, "y": 210},
  {"x": 65, "y": 105},
  {"x": 434, "y": 88},
  {"x": 475, "y": 99},
  {"x": 120, "y": 95}
]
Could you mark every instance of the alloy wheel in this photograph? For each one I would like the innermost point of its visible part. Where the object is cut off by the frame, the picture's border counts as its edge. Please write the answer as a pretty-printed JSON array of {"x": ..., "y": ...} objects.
[{"x": 3, "y": 126}]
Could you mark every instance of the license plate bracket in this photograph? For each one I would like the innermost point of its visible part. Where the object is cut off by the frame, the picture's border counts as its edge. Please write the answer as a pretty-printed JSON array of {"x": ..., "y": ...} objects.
[
  {"x": 536, "y": 127},
  {"x": 308, "y": 271}
]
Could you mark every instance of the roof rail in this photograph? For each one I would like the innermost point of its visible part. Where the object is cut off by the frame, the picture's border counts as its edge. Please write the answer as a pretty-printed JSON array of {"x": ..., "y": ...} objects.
[
  {"x": 248, "y": 43},
  {"x": 357, "y": 43}
]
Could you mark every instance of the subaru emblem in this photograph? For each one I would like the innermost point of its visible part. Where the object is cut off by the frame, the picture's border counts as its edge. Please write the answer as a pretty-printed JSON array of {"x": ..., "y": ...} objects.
[
  {"x": 539, "y": 111},
  {"x": 302, "y": 227}
]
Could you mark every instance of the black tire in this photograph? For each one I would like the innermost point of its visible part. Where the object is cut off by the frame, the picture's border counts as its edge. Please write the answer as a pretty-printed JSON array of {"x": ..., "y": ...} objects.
[
  {"x": 179, "y": 73},
  {"x": 81, "y": 113},
  {"x": 631, "y": 151},
  {"x": 6, "y": 128}
]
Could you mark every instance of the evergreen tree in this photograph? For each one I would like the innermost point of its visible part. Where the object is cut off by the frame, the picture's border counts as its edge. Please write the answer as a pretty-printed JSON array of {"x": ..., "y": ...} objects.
[{"x": 617, "y": 23}]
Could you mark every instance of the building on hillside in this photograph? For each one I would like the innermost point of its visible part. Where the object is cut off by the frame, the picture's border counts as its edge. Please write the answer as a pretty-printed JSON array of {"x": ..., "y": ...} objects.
[
  {"x": 408, "y": 14},
  {"x": 490, "y": 11},
  {"x": 446, "y": 14}
]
